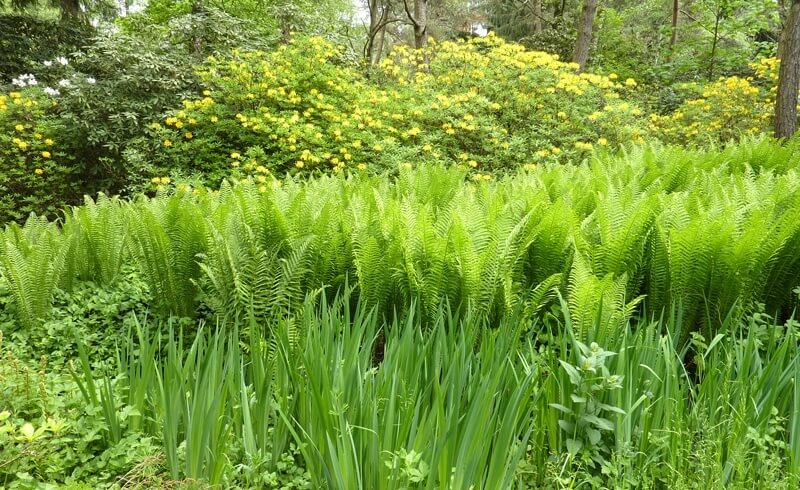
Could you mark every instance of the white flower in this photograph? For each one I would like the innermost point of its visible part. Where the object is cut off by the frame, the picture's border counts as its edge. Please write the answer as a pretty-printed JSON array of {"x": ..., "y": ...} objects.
[
  {"x": 62, "y": 60},
  {"x": 64, "y": 83},
  {"x": 25, "y": 80},
  {"x": 48, "y": 63},
  {"x": 90, "y": 80},
  {"x": 51, "y": 92}
]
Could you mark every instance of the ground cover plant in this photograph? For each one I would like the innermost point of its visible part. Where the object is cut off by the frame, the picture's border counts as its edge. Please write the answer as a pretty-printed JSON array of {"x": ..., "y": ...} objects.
[{"x": 625, "y": 322}]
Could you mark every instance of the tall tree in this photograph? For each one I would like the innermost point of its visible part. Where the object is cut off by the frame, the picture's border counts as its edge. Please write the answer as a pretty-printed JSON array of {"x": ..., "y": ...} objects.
[
  {"x": 585, "y": 26},
  {"x": 789, "y": 75}
]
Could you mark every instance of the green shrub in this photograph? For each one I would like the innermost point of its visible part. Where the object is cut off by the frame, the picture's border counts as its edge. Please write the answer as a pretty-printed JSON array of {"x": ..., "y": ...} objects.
[
  {"x": 722, "y": 111},
  {"x": 38, "y": 172},
  {"x": 26, "y": 42},
  {"x": 484, "y": 104}
]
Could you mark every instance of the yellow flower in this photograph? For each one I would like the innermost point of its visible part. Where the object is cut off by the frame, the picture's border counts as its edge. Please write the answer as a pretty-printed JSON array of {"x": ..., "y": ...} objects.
[
  {"x": 562, "y": 115},
  {"x": 19, "y": 127},
  {"x": 299, "y": 164},
  {"x": 427, "y": 147},
  {"x": 46, "y": 154},
  {"x": 188, "y": 135},
  {"x": 414, "y": 131},
  {"x": 362, "y": 166},
  {"x": 38, "y": 171},
  {"x": 48, "y": 142},
  {"x": 377, "y": 147},
  {"x": 630, "y": 83},
  {"x": 167, "y": 142},
  {"x": 213, "y": 119},
  {"x": 472, "y": 163},
  {"x": 38, "y": 136},
  {"x": 22, "y": 145},
  {"x": 235, "y": 155},
  {"x": 179, "y": 124},
  {"x": 602, "y": 141}
]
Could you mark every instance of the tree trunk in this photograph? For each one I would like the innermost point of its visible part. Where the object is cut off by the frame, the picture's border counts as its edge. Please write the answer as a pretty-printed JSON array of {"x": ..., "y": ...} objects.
[
  {"x": 70, "y": 9},
  {"x": 378, "y": 50},
  {"x": 585, "y": 25},
  {"x": 674, "y": 38},
  {"x": 789, "y": 76},
  {"x": 712, "y": 61},
  {"x": 421, "y": 24},
  {"x": 538, "y": 27},
  {"x": 559, "y": 9},
  {"x": 378, "y": 18},
  {"x": 197, "y": 37},
  {"x": 419, "y": 20}
]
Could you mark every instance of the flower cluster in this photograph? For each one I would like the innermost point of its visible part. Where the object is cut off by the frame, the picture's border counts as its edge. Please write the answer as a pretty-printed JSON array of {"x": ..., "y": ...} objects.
[
  {"x": 22, "y": 81},
  {"x": 484, "y": 104},
  {"x": 724, "y": 110},
  {"x": 33, "y": 165}
]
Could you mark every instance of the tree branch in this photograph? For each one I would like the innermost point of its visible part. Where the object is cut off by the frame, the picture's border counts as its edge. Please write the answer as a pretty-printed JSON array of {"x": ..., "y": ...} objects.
[{"x": 410, "y": 15}]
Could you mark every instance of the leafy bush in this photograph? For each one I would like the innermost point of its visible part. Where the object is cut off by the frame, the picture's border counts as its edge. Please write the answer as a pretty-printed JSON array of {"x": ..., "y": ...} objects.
[
  {"x": 97, "y": 101},
  {"x": 26, "y": 41},
  {"x": 38, "y": 173},
  {"x": 49, "y": 434},
  {"x": 485, "y": 104},
  {"x": 721, "y": 111}
]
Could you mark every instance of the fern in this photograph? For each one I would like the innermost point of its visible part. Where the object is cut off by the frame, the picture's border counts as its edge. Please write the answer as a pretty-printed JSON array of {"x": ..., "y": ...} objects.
[
  {"x": 102, "y": 237},
  {"x": 33, "y": 262}
]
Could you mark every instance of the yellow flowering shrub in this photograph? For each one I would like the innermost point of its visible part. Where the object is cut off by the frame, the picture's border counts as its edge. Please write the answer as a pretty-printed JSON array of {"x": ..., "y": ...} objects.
[
  {"x": 724, "y": 110},
  {"x": 35, "y": 175},
  {"x": 484, "y": 104}
]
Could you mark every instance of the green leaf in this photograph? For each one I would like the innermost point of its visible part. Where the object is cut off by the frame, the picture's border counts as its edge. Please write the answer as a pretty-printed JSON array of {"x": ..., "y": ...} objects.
[
  {"x": 574, "y": 375},
  {"x": 562, "y": 408},
  {"x": 574, "y": 446}
]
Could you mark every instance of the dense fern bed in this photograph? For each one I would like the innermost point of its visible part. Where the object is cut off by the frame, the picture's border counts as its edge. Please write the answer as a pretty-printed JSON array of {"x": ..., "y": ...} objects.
[{"x": 626, "y": 322}]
